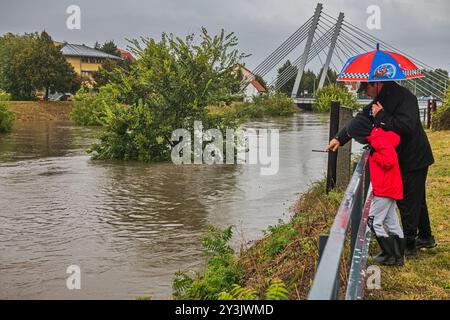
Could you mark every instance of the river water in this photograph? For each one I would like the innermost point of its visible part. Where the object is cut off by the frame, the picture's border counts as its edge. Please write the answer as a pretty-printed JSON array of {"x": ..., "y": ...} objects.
[{"x": 130, "y": 226}]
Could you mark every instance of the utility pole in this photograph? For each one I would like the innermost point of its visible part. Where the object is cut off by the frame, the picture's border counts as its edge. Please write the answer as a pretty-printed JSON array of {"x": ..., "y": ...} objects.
[{"x": 312, "y": 30}]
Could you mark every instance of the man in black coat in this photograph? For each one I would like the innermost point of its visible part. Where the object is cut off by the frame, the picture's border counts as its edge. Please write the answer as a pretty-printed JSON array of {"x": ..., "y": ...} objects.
[{"x": 395, "y": 108}]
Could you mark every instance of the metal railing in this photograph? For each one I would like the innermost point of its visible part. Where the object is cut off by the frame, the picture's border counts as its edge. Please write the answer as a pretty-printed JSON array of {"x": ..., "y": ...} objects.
[{"x": 353, "y": 211}]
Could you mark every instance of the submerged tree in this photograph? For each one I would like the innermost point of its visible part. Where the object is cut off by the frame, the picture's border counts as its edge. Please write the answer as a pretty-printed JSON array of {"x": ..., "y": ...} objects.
[{"x": 171, "y": 85}]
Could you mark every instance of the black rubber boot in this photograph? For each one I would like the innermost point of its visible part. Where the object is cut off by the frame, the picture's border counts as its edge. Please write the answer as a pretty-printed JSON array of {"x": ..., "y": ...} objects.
[
  {"x": 387, "y": 247},
  {"x": 399, "y": 250}
]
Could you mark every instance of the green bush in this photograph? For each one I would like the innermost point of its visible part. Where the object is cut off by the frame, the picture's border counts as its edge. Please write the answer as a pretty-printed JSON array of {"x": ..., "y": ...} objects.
[
  {"x": 279, "y": 236},
  {"x": 440, "y": 119},
  {"x": 221, "y": 271},
  {"x": 172, "y": 84},
  {"x": 334, "y": 92},
  {"x": 90, "y": 109},
  {"x": 4, "y": 96},
  {"x": 7, "y": 118},
  {"x": 276, "y": 104},
  {"x": 276, "y": 291}
]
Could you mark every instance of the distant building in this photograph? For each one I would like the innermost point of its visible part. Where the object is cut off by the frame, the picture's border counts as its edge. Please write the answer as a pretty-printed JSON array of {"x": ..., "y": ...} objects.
[
  {"x": 254, "y": 87},
  {"x": 85, "y": 60},
  {"x": 352, "y": 87},
  {"x": 126, "y": 55}
]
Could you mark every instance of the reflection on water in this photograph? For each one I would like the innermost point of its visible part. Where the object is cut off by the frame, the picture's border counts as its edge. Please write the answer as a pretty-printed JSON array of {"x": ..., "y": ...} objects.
[{"x": 131, "y": 226}]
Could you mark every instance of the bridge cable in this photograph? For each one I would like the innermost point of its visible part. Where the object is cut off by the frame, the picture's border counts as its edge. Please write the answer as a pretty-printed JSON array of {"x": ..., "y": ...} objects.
[
  {"x": 275, "y": 57},
  {"x": 288, "y": 73},
  {"x": 390, "y": 47}
]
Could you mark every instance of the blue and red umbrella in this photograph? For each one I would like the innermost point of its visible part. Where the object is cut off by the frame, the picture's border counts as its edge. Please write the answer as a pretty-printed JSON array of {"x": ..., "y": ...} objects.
[{"x": 379, "y": 65}]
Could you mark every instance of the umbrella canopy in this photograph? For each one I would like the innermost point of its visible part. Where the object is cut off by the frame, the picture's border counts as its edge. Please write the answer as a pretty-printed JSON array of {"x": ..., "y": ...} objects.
[{"x": 379, "y": 65}]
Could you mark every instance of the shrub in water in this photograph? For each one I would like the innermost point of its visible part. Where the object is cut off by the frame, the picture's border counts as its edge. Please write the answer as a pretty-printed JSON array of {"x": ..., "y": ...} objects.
[
  {"x": 7, "y": 118},
  {"x": 334, "y": 92}
]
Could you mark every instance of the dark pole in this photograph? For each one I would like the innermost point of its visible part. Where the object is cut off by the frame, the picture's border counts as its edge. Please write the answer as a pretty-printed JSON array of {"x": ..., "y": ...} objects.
[
  {"x": 428, "y": 114},
  {"x": 332, "y": 156}
]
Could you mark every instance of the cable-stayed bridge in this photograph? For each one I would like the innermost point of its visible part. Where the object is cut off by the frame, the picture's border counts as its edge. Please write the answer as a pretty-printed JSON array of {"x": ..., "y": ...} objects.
[{"x": 333, "y": 41}]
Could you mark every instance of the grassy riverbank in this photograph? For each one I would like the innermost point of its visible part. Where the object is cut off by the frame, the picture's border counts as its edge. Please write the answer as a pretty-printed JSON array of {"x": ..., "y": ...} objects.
[
  {"x": 289, "y": 251},
  {"x": 427, "y": 277},
  {"x": 40, "y": 110}
]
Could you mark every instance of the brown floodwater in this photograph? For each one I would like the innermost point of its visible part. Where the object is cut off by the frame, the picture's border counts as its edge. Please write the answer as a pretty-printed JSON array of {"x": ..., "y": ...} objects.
[{"x": 130, "y": 226}]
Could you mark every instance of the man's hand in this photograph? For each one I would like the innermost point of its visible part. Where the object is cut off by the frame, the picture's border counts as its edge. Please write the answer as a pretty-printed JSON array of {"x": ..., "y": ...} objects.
[
  {"x": 376, "y": 108},
  {"x": 333, "y": 145}
]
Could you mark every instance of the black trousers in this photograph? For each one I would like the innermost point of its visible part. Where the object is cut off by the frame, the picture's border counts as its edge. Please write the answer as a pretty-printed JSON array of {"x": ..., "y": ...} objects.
[{"x": 413, "y": 207}]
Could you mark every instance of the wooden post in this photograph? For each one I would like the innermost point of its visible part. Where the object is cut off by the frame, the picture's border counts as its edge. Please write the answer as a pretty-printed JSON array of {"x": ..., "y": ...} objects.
[
  {"x": 332, "y": 156},
  {"x": 433, "y": 105},
  {"x": 433, "y": 110},
  {"x": 424, "y": 116},
  {"x": 344, "y": 156}
]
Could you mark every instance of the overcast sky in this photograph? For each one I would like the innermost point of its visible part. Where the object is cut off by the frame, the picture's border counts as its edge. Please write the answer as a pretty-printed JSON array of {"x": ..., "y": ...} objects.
[{"x": 420, "y": 28}]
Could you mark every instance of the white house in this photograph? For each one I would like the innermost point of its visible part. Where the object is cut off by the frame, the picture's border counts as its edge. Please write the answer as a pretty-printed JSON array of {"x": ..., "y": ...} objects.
[{"x": 254, "y": 87}]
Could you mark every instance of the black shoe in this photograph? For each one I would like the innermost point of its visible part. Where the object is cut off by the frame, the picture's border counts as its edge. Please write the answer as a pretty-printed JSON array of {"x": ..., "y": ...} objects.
[
  {"x": 387, "y": 256},
  {"x": 411, "y": 248},
  {"x": 426, "y": 243},
  {"x": 399, "y": 250}
]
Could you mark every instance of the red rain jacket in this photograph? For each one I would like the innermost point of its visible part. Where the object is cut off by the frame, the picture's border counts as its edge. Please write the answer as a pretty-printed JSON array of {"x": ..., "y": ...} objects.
[{"x": 383, "y": 164}]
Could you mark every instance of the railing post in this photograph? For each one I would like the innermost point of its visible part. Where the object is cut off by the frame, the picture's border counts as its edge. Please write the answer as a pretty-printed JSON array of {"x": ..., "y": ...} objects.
[
  {"x": 326, "y": 282},
  {"x": 343, "y": 173},
  {"x": 332, "y": 156},
  {"x": 322, "y": 243}
]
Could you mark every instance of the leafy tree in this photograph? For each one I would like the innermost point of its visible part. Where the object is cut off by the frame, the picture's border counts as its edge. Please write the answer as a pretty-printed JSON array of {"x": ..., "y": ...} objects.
[
  {"x": 7, "y": 118},
  {"x": 51, "y": 69},
  {"x": 90, "y": 109},
  {"x": 440, "y": 119},
  {"x": 32, "y": 62},
  {"x": 287, "y": 87},
  {"x": 172, "y": 84},
  {"x": 105, "y": 72},
  {"x": 110, "y": 48},
  {"x": 14, "y": 74}
]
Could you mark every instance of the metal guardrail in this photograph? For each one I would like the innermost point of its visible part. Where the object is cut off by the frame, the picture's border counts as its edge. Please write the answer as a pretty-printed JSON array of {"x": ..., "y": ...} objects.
[{"x": 326, "y": 282}]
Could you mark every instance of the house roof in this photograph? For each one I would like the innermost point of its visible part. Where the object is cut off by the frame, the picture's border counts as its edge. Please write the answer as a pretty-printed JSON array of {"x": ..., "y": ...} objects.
[
  {"x": 80, "y": 50},
  {"x": 126, "y": 54},
  {"x": 258, "y": 86}
]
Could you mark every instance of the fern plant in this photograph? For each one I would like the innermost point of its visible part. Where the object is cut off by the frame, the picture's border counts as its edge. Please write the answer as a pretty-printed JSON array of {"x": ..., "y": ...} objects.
[
  {"x": 277, "y": 291},
  {"x": 220, "y": 273},
  {"x": 238, "y": 293}
]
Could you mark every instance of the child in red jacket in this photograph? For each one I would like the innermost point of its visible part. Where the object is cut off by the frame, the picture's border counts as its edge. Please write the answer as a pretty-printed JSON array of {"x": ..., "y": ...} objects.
[{"x": 387, "y": 187}]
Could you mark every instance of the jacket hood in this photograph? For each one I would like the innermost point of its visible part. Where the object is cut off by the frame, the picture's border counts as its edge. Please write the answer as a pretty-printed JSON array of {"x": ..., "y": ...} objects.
[
  {"x": 359, "y": 128},
  {"x": 391, "y": 136}
]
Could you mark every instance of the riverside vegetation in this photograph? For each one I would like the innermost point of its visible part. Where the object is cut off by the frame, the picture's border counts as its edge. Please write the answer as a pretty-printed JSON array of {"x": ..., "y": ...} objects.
[
  {"x": 7, "y": 117},
  {"x": 173, "y": 83},
  {"x": 287, "y": 254}
]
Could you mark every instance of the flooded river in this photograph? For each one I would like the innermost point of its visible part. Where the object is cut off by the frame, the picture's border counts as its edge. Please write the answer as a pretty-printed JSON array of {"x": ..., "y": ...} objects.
[{"x": 130, "y": 226}]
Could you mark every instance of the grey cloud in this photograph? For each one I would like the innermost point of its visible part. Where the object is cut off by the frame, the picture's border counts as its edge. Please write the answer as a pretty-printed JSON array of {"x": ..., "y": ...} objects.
[{"x": 417, "y": 27}]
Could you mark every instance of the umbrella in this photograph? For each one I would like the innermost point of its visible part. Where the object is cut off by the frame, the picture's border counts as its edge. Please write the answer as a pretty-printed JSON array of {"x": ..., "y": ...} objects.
[{"x": 379, "y": 65}]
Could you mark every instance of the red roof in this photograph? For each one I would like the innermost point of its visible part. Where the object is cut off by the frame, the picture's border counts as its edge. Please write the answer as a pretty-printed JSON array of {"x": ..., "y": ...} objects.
[
  {"x": 126, "y": 55},
  {"x": 258, "y": 86}
]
